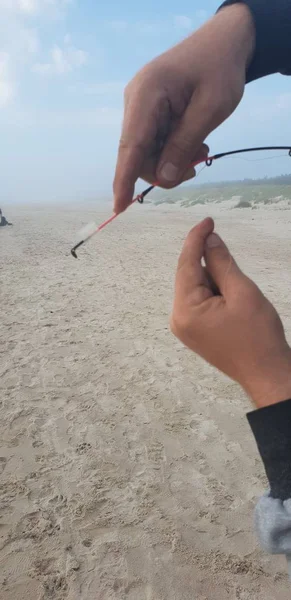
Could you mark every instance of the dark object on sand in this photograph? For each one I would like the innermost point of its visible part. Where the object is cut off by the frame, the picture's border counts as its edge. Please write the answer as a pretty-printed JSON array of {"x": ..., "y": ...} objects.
[
  {"x": 3, "y": 220},
  {"x": 73, "y": 251}
]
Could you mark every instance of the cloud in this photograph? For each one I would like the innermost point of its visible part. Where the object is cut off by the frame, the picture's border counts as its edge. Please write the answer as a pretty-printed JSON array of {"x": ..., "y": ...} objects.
[
  {"x": 180, "y": 22},
  {"x": 26, "y": 42},
  {"x": 101, "y": 117},
  {"x": 27, "y": 6},
  {"x": 118, "y": 25},
  {"x": 20, "y": 43},
  {"x": 283, "y": 102},
  {"x": 7, "y": 88},
  {"x": 138, "y": 27},
  {"x": 266, "y": 108},
  {"x": 183, "y": 22},
  {"x": 146, "y": 28},
  {"x": 190, "y": 23},
  {"x": 201, "y": 15},
  {"x": 31, "y": 7},
  {"x": 62, "y": 60},
  {"x": 100, "y": 89},
  {"x": 149, "y": 28}
]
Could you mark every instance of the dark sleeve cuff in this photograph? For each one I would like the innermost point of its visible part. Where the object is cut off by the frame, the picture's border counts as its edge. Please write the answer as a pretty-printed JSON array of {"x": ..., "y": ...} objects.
[
  {"x": 272, "y": 20},
  {"x": 271, "y": 427}
]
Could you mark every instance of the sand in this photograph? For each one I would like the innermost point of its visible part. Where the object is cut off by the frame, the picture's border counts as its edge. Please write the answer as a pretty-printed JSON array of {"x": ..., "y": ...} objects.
[{"x": 128, "y": 467}]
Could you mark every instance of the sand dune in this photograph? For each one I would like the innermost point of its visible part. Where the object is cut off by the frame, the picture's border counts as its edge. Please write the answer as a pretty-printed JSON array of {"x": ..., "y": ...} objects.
[{"x": 128, "y": 470}]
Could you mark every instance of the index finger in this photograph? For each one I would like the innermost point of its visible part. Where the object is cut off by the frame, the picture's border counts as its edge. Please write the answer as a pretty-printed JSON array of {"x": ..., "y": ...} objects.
[{"x": 139, "y": 131}]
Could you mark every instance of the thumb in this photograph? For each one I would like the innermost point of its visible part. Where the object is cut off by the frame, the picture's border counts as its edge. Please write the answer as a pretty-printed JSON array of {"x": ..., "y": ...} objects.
[
  {"x": 184, "y": 145},
  {"x": 221, "y": 265}
]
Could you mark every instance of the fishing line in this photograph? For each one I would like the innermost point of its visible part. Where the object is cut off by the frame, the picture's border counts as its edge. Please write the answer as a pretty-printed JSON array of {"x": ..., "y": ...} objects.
[
  {"x": 253, "y": 160},
  {"x": 208, "y": 163}
]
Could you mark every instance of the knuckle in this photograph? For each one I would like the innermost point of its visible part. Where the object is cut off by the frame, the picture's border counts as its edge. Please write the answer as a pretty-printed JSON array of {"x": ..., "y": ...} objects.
[
  {"x": 177, "y": 327},
  {"x": 181, "y": 325},
  {"x": 146, "y": 77},
  {"x": 134, "y": 145}
]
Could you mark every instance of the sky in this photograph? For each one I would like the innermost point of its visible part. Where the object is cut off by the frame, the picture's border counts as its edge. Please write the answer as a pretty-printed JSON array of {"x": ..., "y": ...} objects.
[{"x": 63, "y": 67}]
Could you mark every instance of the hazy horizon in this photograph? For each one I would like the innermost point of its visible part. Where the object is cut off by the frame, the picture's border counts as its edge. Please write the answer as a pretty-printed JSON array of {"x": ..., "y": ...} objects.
[{"x": 190, "y": 189}]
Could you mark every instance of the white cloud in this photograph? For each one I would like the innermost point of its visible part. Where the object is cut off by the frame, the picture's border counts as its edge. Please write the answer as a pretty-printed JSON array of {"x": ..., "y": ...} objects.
[
  {"x": 100, "y": 89},
  {"x": 201, "y": 15},
  {"x": 267, "y": 108},
  {"x": 62, "y": 60},
  {"x": 149, "y": 28},
  {"x": 30, "y": 7},
  {"x": 118, "y": 25},
  {"x": 27, "y": 42},
  {"x": 283, "y": 102},
  {"x": 183, "y": 22},
  {"x": 7, "y": 87},
  {"x": 138, "y": 27},
  {"x": 190, "y": 23},
  {"x": 27, "y": 6},
  {"x": 101, "y": 117},
  {"x": 20, "y": 42}
]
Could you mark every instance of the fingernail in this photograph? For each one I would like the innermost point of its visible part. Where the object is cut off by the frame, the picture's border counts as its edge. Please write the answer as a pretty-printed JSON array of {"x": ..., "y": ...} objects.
[
  {"x": 169, "y": 172},
  {"x": 213, "y": 241}
]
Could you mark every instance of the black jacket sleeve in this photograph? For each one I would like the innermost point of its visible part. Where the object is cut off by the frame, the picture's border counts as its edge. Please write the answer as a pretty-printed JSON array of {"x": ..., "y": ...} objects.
[
  {"x": 272, "y": 20},
  {"x": 271, "y": 427}
]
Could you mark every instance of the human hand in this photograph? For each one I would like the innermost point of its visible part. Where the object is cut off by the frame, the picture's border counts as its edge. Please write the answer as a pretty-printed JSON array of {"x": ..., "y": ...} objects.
[
  {"x": 176, "y": 100},
  {"x": 221, "y": 314}
]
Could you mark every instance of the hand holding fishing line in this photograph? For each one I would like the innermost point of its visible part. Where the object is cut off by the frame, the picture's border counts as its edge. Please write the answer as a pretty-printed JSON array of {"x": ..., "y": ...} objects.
[
  {"x": 237, "y": 330},
  {"x": 175, "y": 102},
  {"x": 178, "y": 99}
]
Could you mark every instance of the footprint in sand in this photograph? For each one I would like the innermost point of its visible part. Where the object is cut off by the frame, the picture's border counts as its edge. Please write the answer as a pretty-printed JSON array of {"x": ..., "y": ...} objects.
[{"x": 3, "y": 462}]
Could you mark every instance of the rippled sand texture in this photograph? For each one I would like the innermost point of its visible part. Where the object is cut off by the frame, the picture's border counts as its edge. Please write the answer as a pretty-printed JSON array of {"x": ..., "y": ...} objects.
[{"x": 128, "y": 468}]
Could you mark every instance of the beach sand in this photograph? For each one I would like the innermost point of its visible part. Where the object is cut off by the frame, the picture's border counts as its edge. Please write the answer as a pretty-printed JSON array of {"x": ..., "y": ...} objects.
[{"x": 128, "y": 469}]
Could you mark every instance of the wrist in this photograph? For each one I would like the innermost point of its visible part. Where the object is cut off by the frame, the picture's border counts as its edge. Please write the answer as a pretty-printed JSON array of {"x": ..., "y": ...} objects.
[
  {"x": 274, "y": 384},
  {"x": 239, "y": 26}
]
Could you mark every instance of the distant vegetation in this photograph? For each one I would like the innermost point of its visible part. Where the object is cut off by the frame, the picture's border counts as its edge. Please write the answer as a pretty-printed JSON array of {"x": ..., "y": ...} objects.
[
  {"x": 247, "y": 193},
  {"x": 243, "y": 204}
]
